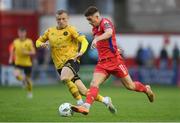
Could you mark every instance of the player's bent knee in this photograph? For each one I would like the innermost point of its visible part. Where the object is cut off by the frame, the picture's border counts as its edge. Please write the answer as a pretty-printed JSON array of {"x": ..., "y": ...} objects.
[{"x": 64, "y": 78}]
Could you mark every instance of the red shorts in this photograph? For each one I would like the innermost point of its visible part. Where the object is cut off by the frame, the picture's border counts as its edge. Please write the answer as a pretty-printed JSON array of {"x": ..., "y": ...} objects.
[{"x": 114, "y": 66}]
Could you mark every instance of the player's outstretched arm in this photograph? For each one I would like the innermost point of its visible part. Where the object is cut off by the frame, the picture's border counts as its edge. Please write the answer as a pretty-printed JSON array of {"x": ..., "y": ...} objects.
[
  {"x": 107, "y": 34},
  {"x": 11, "y": 55},
  {"x": 41, "y": 41},
  {"x": 84, "y": 44},
  {"x": 33, "y": 51}
]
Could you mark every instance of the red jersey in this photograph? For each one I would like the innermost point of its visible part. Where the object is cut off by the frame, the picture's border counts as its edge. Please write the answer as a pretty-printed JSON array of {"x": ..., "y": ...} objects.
[{"x": 106, "y": 48}]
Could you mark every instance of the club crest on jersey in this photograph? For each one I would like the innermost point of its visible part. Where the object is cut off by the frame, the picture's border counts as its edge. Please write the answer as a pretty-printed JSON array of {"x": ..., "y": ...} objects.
[
  {"x": 107, "y": 25},
  {"x": 65, "y": 33}
]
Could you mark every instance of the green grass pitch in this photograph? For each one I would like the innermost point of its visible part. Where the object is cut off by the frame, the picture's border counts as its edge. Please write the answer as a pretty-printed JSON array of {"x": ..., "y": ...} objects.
[{"x": 132, "y": 106}]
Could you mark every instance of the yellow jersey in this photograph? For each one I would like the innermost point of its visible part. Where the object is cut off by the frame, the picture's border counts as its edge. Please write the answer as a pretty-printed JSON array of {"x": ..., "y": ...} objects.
[
  {"x": 63, "y": 44},
  {"x": 20, "y": 46}
]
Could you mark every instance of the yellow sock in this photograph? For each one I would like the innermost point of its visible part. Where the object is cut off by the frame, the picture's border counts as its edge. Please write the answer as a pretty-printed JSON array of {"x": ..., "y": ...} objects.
[
  {"x": 73, "y": 90},
  {"x": 99, "y": 98},
  {"x": 29, "y": 84}
]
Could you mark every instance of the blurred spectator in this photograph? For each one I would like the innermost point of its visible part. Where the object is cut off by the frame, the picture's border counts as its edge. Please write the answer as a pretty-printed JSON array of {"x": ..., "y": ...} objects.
[
  {"x": 175, "y": 63},
  {"x": 163, "y": 58},
  {"x": 149, "y": 61},
  {"x": 40, "y": 56},
  {"x": 176, "y": 55},
  {"x": 140, "y": 55},
  {"x": 43, "y": 61}
]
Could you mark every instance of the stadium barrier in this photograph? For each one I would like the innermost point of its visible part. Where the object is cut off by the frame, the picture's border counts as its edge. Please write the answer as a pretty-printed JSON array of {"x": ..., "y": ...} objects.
[
  {"x": 48, "y": 75},
  {"x": 155, "y": 76}
]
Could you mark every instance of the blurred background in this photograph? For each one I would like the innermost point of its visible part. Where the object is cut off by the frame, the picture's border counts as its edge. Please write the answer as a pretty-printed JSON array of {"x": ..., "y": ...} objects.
[{"x": 148, "y": 32}]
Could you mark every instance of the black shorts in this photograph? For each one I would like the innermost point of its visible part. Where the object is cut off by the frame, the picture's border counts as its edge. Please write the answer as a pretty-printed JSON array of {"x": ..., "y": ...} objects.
[
  {"x": 74, "y": 66},
  {"x": 27, "y": 70}
]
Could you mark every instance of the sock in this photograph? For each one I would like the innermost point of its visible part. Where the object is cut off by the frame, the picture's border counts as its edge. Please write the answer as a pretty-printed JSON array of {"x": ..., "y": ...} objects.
[
  {"x": 87, "y": 105},
  {"x": 80, "y": 102},
  {"x": 140, "y": 87},
  {"x": 105, "y": 100},
  {"x": 73, "y": 90},
  {"x": 92, "y": 94},
  {"x": 29, "y": 84},
  {"x": 99, "y": 98}
]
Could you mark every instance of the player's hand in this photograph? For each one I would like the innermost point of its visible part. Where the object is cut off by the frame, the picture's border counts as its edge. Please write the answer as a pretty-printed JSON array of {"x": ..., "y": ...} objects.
[
  {"x": 45, "y": 45},
  {"x": 93, "y": 44},
  {"x": 78, "y": 56}
]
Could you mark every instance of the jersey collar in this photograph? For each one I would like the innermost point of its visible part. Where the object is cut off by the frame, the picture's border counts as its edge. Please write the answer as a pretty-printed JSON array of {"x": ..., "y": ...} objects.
[{"x": 61, "y": 28}]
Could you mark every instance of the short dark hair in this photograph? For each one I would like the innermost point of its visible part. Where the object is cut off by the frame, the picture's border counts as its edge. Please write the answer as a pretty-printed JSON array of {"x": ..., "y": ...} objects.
[
  {"x": 90, "y": 11},
  {"x": 22, "y": 29},
  {"x": 59, "y": 12}
]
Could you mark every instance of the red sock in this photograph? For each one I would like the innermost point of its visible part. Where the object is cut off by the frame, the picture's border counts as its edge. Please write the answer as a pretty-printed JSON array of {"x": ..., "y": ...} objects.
[
  {"x": 92, "y": 94},
  {"x": 140, "y": 87}
]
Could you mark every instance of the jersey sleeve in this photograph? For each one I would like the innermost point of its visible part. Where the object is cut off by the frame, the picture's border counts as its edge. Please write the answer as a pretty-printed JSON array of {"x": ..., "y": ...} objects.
[
  {"x": 106, "y": 25},
  {"x": 31, "y": 46},
  {"x": 42, "y": 39},
  {"x": 80, "y": 38},
  {"x": 84, "y": 43}
]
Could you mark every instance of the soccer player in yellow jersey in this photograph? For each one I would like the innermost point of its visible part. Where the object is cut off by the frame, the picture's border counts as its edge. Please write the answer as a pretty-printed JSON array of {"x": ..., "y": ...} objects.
[
  {"x": 23, "y": 49},
  {"x": 63, "y": 42}
]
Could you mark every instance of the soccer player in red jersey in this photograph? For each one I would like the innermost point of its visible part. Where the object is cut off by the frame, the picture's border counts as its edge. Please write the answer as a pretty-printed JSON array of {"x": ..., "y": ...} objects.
[{"x": 109, "y": 60}]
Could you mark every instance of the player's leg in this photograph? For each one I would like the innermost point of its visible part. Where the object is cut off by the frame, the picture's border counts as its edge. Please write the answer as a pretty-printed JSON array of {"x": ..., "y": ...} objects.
[
  {"x": 66, "y": 76},
  {"x": 29, "y": 86},
  {"x": 137, "y": 86},
  {"x": 83, "y": 90},
  {"x": 105, "y": 100},
  {"x": 28, "y": 71},
  {"x": 81, "y": 87},
  {"x": 92, "y": 93},
  {"x": 19, "y": 75},
  {"x": 122, "y": 73}
]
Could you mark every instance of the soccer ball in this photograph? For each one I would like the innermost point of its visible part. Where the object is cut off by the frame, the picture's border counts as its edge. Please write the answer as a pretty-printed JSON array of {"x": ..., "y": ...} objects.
[{"x": 65, "y": 110}]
